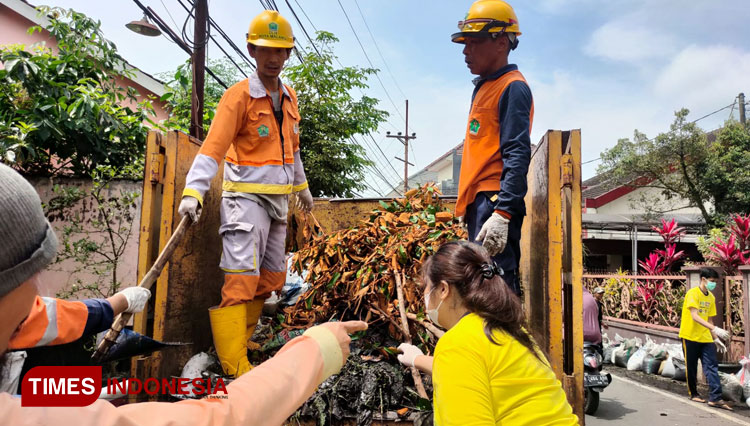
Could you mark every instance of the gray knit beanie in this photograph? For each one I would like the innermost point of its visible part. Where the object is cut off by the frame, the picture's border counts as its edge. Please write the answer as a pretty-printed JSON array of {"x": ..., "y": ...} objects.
[{"x": 27, "y": 241}]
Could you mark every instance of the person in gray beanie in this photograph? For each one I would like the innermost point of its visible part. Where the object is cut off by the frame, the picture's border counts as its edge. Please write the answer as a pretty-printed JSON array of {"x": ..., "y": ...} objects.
[
  {"x": 28, "y": 241},
  {"x": 28, "y": 246}
]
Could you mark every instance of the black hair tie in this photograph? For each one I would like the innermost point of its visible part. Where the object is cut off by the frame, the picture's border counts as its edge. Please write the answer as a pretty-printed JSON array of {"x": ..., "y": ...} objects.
[{"x": 491, "y": 269}]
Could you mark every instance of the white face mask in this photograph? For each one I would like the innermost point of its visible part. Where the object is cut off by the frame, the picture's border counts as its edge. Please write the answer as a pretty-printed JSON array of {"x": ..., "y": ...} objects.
[{"x": 432, "y": 314}]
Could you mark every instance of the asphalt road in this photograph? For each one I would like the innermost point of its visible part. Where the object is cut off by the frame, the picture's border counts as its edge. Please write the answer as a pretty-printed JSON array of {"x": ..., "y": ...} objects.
[{"x": 626, "y": 402}]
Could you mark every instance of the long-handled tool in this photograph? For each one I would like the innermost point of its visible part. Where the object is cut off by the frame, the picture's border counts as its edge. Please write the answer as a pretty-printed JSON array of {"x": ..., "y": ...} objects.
[{"x": 148, "y": 280}]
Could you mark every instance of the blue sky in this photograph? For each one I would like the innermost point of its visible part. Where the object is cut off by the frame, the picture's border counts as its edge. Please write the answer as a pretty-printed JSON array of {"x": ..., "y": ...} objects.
[{"x": 604, "y": 67}]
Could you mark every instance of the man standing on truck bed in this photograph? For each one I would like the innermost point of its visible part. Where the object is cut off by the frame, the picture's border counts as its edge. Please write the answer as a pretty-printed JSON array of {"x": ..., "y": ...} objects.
[
  {"x": 256, "y": 130},
  {"x": 497, "y": 146}
]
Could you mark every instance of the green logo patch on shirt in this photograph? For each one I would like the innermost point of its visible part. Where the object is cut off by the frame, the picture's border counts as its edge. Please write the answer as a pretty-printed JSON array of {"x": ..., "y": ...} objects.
[
  {"x": 474, "y": 127},
  {"x": 263, "y": 131}
]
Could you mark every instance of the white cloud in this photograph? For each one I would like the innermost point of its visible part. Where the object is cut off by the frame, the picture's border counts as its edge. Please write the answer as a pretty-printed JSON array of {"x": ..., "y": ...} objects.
[
  {"x": 622, "y": 41},
  {"x": 704, "y": 77}
]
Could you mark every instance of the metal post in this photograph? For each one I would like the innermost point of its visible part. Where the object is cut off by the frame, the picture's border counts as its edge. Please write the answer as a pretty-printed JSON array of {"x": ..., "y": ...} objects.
[
  {"x": 404, "y": 140},
  {"x": 199, "y": 67},
  {"x": 634, "y": 250},
  {"x": 742, "y": 108},
  {"x": 745, "y": 271},
  {"x": 406, "y": 151}
]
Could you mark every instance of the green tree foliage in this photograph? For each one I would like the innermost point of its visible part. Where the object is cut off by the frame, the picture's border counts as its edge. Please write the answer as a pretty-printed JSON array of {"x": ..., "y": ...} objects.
[
  {"x": 330, "y": 117},
  {"x": 727, "y": 175},
  {"x": 674, "y": 163},
  {"x": 180, "y": 88},
  {"x": 64, "y": 112}
]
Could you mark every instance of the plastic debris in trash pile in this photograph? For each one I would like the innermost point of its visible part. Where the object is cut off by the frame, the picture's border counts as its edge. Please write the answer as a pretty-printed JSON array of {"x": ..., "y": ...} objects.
[
  {"x": 201, "y": 366},
  {"x": 353, "y": 271}
]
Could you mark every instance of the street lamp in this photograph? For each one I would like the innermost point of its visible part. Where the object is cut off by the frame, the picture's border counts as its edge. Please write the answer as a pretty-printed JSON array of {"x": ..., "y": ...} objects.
[{"x": 143, "y": 27}]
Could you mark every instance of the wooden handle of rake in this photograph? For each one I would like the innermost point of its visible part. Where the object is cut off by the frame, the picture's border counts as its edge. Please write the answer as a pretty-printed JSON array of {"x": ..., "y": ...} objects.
[{"x": 148, "y": 280}]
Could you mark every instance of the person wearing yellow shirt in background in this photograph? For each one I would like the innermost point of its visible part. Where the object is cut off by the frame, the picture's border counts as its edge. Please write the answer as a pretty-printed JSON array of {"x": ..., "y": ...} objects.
[
  {"x": 487, "y": 369},
  {"x": 700, "y": 338}
]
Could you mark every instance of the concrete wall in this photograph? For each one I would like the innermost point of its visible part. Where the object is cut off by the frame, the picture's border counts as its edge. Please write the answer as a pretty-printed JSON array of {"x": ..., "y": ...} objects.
[
  {"x": 62, "y": 276},
  {"x": 445, "y": 172}
]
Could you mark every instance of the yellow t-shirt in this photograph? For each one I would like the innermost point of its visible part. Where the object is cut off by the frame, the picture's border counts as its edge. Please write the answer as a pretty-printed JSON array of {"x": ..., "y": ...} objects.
[
  {"x": 706, "y": 305},
  {"x": 477, "y": 382}
]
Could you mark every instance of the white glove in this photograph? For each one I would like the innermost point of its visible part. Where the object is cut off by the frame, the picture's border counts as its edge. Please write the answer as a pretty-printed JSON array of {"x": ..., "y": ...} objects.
[
  {"x": 190, "y": 206},
  {"x": 462, "y": 223},
  {"x": 305, "y": 200},
  {"x": 409, "y": 354},
  {"x": 494, "y": 234},
  {"x": 137, "y": 298},
  {"x": 721, "y": 333},
  {"x": 720, "y": 347}
]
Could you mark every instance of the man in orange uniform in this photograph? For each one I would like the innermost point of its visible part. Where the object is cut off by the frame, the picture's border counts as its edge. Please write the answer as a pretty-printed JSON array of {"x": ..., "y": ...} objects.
[
  {"x": 55, "y": 321},
  {"x": 497, "y": 146},
  {"x": 256, "y": 132}
]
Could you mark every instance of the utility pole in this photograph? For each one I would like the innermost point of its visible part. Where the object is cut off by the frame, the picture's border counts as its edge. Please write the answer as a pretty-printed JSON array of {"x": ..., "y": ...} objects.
[
  {"x": 199, "y": 68},
  {"x": 404, "y": 140},
  {"x": 742, "y": 108}
]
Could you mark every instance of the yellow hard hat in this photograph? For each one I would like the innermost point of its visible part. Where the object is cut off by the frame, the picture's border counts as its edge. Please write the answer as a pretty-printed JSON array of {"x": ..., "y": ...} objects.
[
  {"x": 488, "y": 18},
  {"x": 270, "y": 29}
]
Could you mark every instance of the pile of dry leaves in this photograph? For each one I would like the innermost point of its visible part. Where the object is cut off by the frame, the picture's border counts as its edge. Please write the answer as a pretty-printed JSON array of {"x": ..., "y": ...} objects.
[{"x": 354, "y": 273}]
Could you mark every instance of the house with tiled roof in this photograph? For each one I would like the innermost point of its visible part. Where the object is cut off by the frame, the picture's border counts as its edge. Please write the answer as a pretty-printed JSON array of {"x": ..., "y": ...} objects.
[{"x": 617, "y": 228}]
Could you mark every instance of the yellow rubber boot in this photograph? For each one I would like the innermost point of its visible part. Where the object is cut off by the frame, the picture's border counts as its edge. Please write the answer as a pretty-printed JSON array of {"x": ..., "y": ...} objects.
[
  {"x": 227, "y": 324},
  {"x": 254, "y": 309}
]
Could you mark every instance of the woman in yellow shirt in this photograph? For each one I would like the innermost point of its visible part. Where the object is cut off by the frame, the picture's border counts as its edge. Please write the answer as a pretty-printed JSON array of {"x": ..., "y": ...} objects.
[{"x": 486, "y": 370}]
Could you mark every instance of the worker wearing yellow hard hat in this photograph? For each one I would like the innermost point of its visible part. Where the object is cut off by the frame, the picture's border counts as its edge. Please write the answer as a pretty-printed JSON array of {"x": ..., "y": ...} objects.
[
  {"x": 497, "y": 145},
  {"x": 256, "y": 133}
]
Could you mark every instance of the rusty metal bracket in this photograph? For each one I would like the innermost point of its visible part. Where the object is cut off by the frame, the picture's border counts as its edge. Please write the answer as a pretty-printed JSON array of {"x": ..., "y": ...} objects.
[
  {"x": 567, "y": 170},
  {"x": 156, "y": 169}
]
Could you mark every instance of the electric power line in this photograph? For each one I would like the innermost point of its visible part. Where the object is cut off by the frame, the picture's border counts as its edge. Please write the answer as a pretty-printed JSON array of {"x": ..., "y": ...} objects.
[
  {"x": 388, "y": 68},
  {"x": 368, "y": 59},
  {"x": 398, "y": 176},
  {"x": 342, "y": 65},
  {"x": 303, "y": 27},
  {"x": 387, "y": 161},
  {"x": 224, "y": 35},
  {"x": 211, "y": 37},
  {"x": 270, "y": 4},
  {"x": 378, "y": 49},
  {"x": 304, "y": 13},
  {"x": 185, "y": 37},
  {"x": 168, "y": 13},
  {"x": 675, "y": 130}
]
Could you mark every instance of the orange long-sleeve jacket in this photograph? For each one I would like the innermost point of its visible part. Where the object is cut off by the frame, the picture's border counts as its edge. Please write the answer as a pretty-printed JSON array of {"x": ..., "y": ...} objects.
[
  {"x": 260, "y": 156},
  {"x": 267, "y": 395}
]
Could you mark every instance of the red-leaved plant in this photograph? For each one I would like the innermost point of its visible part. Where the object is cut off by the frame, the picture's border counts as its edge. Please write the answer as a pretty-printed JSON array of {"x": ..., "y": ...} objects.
[
  {"x": 661, "y": 262},
  {"x": 670, "y": 232},
  {"x": 653, "y": 264},
  {"x": 728, "y": 255},
  {"x": 740, "y": 228}
]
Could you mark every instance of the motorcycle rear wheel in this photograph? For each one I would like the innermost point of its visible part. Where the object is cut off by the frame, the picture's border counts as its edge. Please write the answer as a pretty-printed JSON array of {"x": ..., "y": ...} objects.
[{"x": 591, "y": 401}]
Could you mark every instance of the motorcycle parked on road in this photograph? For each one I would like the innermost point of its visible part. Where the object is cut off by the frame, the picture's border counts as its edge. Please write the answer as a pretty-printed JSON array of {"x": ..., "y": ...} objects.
[{"x": 594, "y": 381}]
